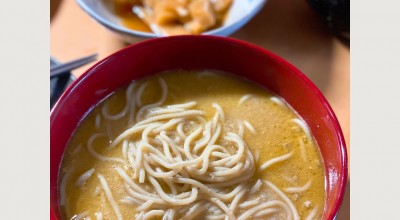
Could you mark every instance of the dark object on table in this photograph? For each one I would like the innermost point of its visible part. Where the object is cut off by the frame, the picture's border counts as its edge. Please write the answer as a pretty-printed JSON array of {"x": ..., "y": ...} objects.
[
  {"x": 58, "y": 84},
  {"x": 336, "y": 14},
  {"x": 63, "y": 69}
]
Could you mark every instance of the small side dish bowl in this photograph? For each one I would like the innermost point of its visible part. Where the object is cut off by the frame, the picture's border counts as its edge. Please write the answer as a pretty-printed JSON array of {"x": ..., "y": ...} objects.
[
  {"x": 203, "y": 52},
  {"x": 240, "y": 13}
]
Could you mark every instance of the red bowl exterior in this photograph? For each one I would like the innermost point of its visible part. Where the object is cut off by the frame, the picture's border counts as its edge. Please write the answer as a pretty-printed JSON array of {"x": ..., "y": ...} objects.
[{"x": 203, "y": 52}]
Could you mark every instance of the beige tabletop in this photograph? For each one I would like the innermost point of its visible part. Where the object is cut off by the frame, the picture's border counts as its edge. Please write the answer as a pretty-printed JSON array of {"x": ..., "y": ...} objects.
[{"x": 288, "y": 28}]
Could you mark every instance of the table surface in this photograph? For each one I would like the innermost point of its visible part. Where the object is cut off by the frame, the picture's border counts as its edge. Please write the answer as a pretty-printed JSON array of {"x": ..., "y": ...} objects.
[{"x": 288, "y": 28}]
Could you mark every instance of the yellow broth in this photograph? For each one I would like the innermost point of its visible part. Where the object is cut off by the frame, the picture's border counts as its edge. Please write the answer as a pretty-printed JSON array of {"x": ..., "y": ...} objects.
[
  {"x": 123, "y": 9},
  {"x": 275, "y": 135}
]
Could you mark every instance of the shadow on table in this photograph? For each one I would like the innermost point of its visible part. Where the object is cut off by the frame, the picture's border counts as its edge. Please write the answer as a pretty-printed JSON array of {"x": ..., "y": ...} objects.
[
  {"x": 54, "y": 6},
  {"x": 344, "y": 213}
]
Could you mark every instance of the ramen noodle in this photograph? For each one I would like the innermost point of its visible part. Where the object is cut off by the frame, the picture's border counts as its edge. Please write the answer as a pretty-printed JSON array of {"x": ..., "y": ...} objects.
[{"x": 192, "y": 145}]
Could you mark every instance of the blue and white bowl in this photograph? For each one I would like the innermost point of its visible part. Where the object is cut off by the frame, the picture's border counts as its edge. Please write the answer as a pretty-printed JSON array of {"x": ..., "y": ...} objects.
[{"x": 240, "y": 13}]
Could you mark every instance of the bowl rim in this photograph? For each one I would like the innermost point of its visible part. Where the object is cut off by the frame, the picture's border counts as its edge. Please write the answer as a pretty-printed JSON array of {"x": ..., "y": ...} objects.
[
  {"x": 124, "y": 30},
  {"x": 342, "y": 181}
]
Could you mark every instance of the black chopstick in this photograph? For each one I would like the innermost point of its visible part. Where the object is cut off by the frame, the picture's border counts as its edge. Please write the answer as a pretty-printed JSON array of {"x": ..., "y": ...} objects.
[{"x": 64, "y": 68}]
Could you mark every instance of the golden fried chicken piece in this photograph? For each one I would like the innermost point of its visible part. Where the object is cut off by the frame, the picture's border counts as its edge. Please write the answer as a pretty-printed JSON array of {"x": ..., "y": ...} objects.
[
  {"x": 203, "y": 16},
  {"x": 176, "y": 17},
  {"x": 221, "y": 6}
]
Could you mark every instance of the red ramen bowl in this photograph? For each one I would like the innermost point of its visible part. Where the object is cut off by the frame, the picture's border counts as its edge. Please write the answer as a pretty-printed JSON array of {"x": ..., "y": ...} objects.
[{"x": 203, "y": 52}]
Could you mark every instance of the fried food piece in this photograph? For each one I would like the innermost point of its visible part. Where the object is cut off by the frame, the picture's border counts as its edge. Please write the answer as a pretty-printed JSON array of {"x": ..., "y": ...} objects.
[
  {"x": 203, "y": 16},
  {"x": 176, "y": 17},
  {"x": 221, "y": 6}
]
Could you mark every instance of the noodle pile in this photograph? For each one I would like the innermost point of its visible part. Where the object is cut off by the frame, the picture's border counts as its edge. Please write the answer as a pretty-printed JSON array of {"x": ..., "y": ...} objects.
[{"x": 176, "y": 164}]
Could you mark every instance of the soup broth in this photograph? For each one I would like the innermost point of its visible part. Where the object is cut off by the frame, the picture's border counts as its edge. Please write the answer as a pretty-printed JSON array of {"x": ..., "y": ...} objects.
[{"x": 287, "y": 175}]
